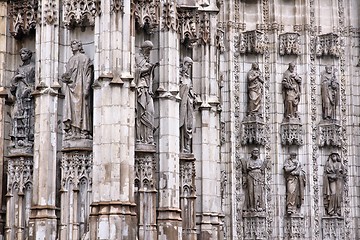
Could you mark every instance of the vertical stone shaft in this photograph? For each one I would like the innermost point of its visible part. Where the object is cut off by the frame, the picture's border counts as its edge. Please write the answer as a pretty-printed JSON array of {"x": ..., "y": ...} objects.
[
  {"x": 113, "y": 206},
  {"x": 169, "y": 220},
  {"x": 43, "y": 223}
]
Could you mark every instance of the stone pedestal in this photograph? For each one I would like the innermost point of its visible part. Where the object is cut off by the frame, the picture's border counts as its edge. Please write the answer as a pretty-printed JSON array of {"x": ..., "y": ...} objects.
[
  {"x": 253, "y": 131},
  {"x": 330, "y": 134},
  {"x": 145, "y": 190},
  {"x": 254, "y": 225},
  {"x": 333, "y": 228},
  {"x": 76, "y": 188},
  {"x": 292, "y": 133},
  {"x": 188, "y": 196},
  {"x": 19, "y": 195},
  {"x": 295, "y": 226}
]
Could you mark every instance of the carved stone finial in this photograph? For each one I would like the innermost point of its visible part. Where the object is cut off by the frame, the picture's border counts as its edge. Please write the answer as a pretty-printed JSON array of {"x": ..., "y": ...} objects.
[{"x": 80, "y": 13}]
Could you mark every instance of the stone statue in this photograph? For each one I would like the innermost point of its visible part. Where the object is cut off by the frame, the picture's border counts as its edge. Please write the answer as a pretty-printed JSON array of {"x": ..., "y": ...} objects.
[
  {"x": 333, "y": 184},
  {"x": 255, "y": 90},
  {"x": 254, "y": 182},
  {"x": 186, "y": 106},
  {"x": 330, "y": 93},
  {"x": 77, "y": 104},
  {"x": 22, "y": 85},
  {"x": 291, "y": 91},
  {"x": 144, "y": 75},
  {"x": 295, "y": 183}
]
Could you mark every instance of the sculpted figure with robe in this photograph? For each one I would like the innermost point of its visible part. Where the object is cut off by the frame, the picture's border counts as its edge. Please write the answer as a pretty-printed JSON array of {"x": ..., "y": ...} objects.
[
  {"x": 77, "y": 86},
  {"x": 255, "y": 90},
  {"x": 330, "y": 93},
  {"x": 333, "y": 184},
  {"x": 145, "y": 104},
  {"x": 291, "y": 91},
  {"x": 186, "y": 106},
  {"x": 295, "y": 183},
  {"x": 22, "y": 85}
]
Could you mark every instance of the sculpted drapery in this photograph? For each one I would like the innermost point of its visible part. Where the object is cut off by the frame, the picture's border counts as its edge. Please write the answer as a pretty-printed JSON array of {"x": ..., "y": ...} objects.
[
  {"x": 330, "y": 93},
  {"x": 255, "y": 90},
  {"x": 291, "y": 91},
  {"x": 295, "y": 183},
  {"x": 77, "y": 104}
]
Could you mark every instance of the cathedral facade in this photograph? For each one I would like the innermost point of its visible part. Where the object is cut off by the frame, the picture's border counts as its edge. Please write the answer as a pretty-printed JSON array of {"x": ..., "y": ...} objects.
[{"x": 179, "y": 119}]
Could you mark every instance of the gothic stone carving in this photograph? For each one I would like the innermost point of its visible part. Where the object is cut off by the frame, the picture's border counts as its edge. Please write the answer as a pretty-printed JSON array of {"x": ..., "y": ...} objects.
[
  {"x": 170, "y": 16},
  {"x": 255, "y": 82},
  {"x": 220, "y": 35},
  {"x": 328, "y": 45},
  {"x": 254, "y": 182},
  {"x": 254, "y": 226},
  {"x": 253, "y": 132},
  {"x": 145, "y": 167},
  {"x": 189, "y": 21},
  {"x": 76, "y": 186},
  {"x": 186, "y": 106},
  {"x": 117, "y": 5},
  {"x": 19, "y": 195},
  {"x": 295, "y": 183},
  {"x": 295, "y": 228},
  {"x": 291, "y": 87},
  {"x": 333, "y": 228},
  {"x": 23, "y": 17},
  {"x": 49, "y": 13},
  {"x": 251, "y": 42},
  {"x": 80, "y": 13},
  {"x": 330, "y": 94},
  {"x": 330, "y": 134},
  {"x": 146, "y": 14},
  {"x": 144, "y": 75},
  {"x": 291, "y": 133},
  {"x": 22, "y": 85},
  {"x": 77, "y": 81},
  {"x": 334, "y": 173},
  {"x": 289, "y": 44}
]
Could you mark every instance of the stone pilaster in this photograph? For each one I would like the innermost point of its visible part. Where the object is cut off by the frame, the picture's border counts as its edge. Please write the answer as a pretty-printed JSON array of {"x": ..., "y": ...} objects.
[
  {"x": 113, "y": 213},
  {"x": 43, "y": 219}
]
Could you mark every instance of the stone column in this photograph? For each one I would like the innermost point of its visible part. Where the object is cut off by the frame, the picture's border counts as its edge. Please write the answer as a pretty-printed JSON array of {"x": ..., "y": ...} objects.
[
  {"x": 169, "y": 220},
  {"x": 113, "y": 213},
  {"x": 43, "y": 219}
]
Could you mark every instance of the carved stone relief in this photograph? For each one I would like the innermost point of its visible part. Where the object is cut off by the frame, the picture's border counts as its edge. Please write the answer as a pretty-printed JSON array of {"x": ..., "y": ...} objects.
[
  {"x": 170, "y": 16},
  {"x": 189, "y": 21},
  {"x": 49, "y": 13},
  {"x": 186, "y": 106},
  {"x": 145, "y": 172},
  {"x": 144, "y": 75},
  {"x": 255, "y": 227},
  {"x": 77, "y": 80},
  {"x": 289, "y": 44},
  {"x": 117, "y": 5},
  {"x": 330, "y": 134},
  {"x": 291, "y": 133},
  {"x": 146, "y": 13},
  {"x": 330, "y": 94},
  {"x": 295, "y": 184},
  {"x": 291, "y": 89},
  {"x": 328, "y": 45},
  {"x": 295, "y": 228},
  {"x": 251, "y": 42},
  {"x": 220, "y": 44},
  {"x": 80, "y": 13},
  {"x": 22, "y": 85},
  {"x": 253, "y": 132},
  {"x": 23, "y": 17},
  {"x": 333, "y": 228},
  {"x": 334, "y": 174}
]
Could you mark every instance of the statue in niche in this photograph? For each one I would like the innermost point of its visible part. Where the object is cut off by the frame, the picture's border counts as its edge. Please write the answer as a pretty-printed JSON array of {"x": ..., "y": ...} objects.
[
  {"x": 333, "y": 184},
  {"x": 186, "y": 106},
  {"x": 291, "y": 91},
  {"x": 22, "y": 85},
  {"x": 255, "y": 91},
  {"x": 330, "y": 93},
  {"x": 254, "y": 182},
  {"x": 77, "y": 104},
  {"x": 295, "y": 183},
  {"x": 144, "y": 75}
]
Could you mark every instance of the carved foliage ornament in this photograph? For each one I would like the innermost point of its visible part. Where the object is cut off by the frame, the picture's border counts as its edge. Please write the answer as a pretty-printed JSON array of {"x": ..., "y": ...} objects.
[
  {"x": 145, "y": 167},
  {"x": 146, "y": 14},
  {"x": 170, "y": 16},
  {"x": 330, "y": 135},
  {"x": 328, "y": 45},
  {"x": 292, "y": 134},
  {"x": 251, "y": 42},
  {"x": 289, "y": 44},
  {"x": 80, "y": 13},
  {"x": 20, "y": 174},
  {"x": 23, "y": 17},
  {"x": 187, "y": 176},
  {"x": 253, "y": 133},
  {"x": 48, "y": 12}
]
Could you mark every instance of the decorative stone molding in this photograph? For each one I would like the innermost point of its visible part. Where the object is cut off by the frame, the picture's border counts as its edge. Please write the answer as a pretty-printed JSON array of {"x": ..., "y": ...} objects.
[
  {"x": 145, "y": 170},
  {"x": 117, "y": 6},
  {"x": 146, "y": 13},
  {"x": 333, "y": 228},
  {"x": 205, "y": 27},
  {"x": 23, "y": 17},
  {"x": 170, "y": 16},
  {"x": 50, "y": 16},
  {"x": 328, "y": 45},
  {"x": 220, "y": 35},
  {"x": 289, "y": 44},
  {"x": 189, "y": 21},
  {"x": 255, "y": 226},
  {"x": 251, "y": 42},
  {"x": 253, "y": 132},
  {"x": 19, "y": 174},
  {"x": 291, "y": 133},
  {"x": 295, "y": 228},
  {"x": 80, "y": 13},
  {"x": 330, "y": 134}
]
